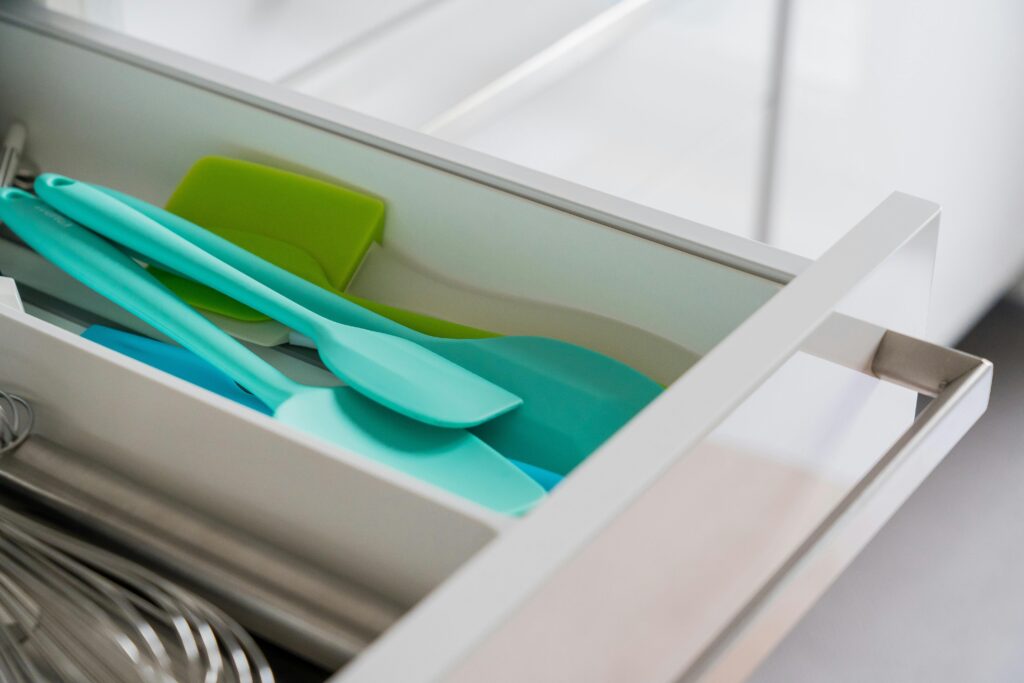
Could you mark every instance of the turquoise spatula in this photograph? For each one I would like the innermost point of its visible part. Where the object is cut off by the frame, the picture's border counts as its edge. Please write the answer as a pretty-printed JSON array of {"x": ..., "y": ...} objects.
[
  {"x": 395, "y": 372},
  {"x": 186, "y": 365},
  {"x": 450, "y": 458},
  {"x": 573, "y": 398}
]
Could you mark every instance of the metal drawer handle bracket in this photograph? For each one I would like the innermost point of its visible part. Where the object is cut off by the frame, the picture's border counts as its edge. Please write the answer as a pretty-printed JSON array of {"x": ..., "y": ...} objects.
[{"x": 947, "y": 375}]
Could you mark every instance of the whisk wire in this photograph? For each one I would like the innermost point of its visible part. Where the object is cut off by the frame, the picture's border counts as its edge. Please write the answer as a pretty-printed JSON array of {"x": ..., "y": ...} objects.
[
  {"x": 16, "y": 420},
  {"x": 71, "y": 611}
]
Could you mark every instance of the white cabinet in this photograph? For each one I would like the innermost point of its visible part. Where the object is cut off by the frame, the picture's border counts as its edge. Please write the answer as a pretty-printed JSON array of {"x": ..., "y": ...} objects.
[
  {"x": 666, "y": 106},
  {"x": 273, "y": 41},
  {"x": 688, "y": 544},
  {"x": 922, "y": 96}
]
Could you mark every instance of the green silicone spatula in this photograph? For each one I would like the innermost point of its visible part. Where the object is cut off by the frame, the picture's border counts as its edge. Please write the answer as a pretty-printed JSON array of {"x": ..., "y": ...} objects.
[
  {"x": 573, "y": 398},
  {"x": 450, "y": 458},
  {"x": 395, "y": 372},
  {"x": 317, "y": 230}
]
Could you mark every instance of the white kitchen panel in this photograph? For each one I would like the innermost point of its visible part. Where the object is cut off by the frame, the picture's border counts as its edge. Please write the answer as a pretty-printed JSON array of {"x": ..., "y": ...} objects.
[
  {"x": 268, "y": 40},
  {"x": 916, "y": 95},
  {"x": 417, "y": 70},
  {"x": 669, "y": 112}
]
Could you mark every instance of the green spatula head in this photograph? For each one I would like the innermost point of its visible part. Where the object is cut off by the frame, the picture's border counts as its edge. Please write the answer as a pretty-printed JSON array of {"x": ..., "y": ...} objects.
[
  {"x": 296, "y": 222},
  {"x": 317, "y": 230}
]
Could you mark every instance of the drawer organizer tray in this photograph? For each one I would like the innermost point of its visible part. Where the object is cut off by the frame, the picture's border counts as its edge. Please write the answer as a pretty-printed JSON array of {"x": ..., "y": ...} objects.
[{"x": 322, "y": 550}]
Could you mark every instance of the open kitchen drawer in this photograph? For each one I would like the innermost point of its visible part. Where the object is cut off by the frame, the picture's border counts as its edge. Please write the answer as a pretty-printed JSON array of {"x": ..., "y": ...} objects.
[{"x": 685, "y": 547}]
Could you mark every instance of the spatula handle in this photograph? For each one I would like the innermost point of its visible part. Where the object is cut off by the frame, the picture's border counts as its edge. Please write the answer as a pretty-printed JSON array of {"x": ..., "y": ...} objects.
[
  {"x": 104, "y": 268},
  {"x": 141, "y": 234},
  {"x": 298, "y": 289}
]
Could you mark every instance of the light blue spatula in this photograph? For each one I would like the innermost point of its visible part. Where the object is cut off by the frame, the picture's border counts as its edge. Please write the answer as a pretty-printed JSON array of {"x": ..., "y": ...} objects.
[
  {"x": 450, "y": 458},
  {"x": 186, "y": 365},
  {"x": 397, "y": 373}
]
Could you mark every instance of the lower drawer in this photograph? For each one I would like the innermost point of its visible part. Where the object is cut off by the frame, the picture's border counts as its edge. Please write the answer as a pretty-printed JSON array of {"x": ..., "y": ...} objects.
[{"x": 687, "y": 543}]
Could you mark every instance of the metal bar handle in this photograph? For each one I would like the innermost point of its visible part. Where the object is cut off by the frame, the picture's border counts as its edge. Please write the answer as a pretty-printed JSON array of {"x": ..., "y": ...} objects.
[{"x": 487, "y": 612}]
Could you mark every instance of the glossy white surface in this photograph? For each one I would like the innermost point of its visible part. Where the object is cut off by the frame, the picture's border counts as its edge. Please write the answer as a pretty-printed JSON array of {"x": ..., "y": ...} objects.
[
  {"x": 662, "y": 103},
  {"x": 669, "y": 112},
  {"x": 268, "y": 40},
  {"x": 417, "y": 70},
  {"x": 917, "y": 95}
]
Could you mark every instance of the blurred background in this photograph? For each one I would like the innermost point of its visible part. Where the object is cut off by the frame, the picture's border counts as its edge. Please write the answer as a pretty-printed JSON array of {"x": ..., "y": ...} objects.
[{"x": 781, "y": 120}]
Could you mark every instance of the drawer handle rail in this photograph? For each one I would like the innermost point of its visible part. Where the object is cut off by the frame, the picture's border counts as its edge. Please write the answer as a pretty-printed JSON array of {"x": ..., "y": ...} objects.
[{"x": 952, "y": 378}]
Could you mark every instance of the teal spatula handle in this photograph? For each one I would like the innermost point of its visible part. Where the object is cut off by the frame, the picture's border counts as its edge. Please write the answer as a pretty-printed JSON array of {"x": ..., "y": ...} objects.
[
  {"x": 104, "y": 268},
  {"x": 141, "y": 234},
  {"x": 302, "y": 291}
]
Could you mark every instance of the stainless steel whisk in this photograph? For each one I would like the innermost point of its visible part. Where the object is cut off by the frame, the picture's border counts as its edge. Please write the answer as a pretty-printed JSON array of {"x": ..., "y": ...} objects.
[
  {"x": 76, "y": 612},
  {"x": 16, "y": 420},
  {"x": 71, "y": 611}
]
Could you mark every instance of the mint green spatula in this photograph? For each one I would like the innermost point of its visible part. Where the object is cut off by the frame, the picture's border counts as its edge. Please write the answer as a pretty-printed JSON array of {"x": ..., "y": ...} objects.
[
  {"x": 573, "y": 398},
  {"x": 450, "y": 458},
  {"x": 395, "y": 372}
]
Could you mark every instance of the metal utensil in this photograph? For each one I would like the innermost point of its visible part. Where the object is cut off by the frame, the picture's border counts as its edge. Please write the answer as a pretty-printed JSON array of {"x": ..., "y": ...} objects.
[
  {"x": 71, "y": 611},
  {"x": 89, "y": 614}
]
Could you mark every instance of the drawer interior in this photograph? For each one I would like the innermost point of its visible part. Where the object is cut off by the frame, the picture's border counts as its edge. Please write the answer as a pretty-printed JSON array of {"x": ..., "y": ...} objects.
[{"x": 139, "y": 128}]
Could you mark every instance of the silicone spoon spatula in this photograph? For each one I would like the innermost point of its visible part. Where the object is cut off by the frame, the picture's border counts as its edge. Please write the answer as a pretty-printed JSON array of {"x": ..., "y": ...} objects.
[
  {"x": 183, "y": 364},
  {"x": 573, "y": 398},
  {"x": 397, "y": 373},
  {"x": 452, "y": 459}
]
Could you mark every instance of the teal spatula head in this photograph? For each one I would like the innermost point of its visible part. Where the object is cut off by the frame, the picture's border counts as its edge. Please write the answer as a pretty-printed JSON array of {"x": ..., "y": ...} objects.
[
  {"x": 453, "y": 459},
  {"x": 393, "y": 371}
]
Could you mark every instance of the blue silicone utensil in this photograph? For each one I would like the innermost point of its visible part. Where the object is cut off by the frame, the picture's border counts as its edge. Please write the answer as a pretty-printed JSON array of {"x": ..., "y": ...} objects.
[
  {"x": 183, "y": 364},
  {"x": 452, "y": 459},
  {"x": 174, "y": 360},
  {"x": 573, "y": 398},
  {"x": 395, "y": 372}
]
